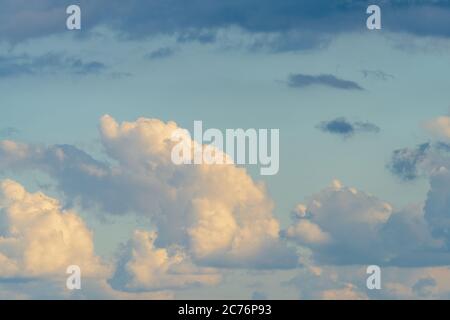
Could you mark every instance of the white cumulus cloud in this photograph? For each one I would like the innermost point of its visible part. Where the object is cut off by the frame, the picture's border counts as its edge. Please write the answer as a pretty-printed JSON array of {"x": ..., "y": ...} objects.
[
  {"x": 217, "y": 212},
  {"x": 38, "y": 238}
]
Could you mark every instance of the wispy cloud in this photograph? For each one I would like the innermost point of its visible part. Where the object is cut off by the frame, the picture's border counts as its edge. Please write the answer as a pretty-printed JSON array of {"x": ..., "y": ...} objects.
[
  {"x": 304, "y": 80},
  {"x": 160, "y": 53},
  {"x": 377, "y": 74},
  {"x": 50, "y": 63},
  {"x": 8, "y": 132}
]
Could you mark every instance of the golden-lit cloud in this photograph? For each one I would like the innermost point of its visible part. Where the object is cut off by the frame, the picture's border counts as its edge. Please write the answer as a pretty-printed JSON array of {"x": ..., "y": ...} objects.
[
  {"x": 217, "y": 212},
  {"x": 38, "y": 238},
  {"x": 142, "y": 266}
]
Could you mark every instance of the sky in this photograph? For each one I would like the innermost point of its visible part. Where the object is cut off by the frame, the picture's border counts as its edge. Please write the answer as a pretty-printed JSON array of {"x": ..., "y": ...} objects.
[{"x": 85, "y": 155}]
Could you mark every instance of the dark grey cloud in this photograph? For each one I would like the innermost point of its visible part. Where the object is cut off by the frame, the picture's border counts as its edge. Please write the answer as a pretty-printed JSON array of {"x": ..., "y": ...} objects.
[
  {"x": 404, "y": 162},
  {"x": 304, "y": 80},
  {"x": 345, "y": 128},
  {"x": 160, "y": 53},
  {"x": 410, "y": 163},
  {"x": 193, "y": 20},
  {"x": 200, "y": 19},
  {"x": 17, "y": 65}
]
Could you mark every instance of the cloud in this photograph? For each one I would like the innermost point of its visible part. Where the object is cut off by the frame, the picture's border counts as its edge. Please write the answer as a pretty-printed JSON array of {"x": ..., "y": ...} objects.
[
  {"x": 414, "y": 283},
  {"x": 201, "y": 36},
  {"x": 345, "y": 128},
  {"x": 18, "y": 65},
  {"x": 160, "y": 53},
  {"x": 257, "y": 295},
  {"x": 348, "y": 292},
  {"x": 329, "y": 283},
  {"x": 344, "y": 226},
  {"x": 349, "y": 283},
  {"x": 91, "y": 289},
  {"x": 100, "y": 289},
  {"x": 307, "y": 232},
  {"x": 217, "y": 212},
  {"x": 142, "y": 266},
  {"x": 423, "y": 287},
  {"x": 437, "y": 205},
  {"x": 335, "y": 218},
  {"x": 79, "y": 67},
  {"x": 439, "y": 127},
  {"x": 295, "y": 40},
  {"x": 38, "y": 238},
  {"x": 432, "y": 161},
  {"x": 377, "y": 74},
  {"x": 328, "y": 80},
  {"x": 8, "y": 132},
  {"x": 321, "y": 19},
  {"x": 411, "y": 163}
]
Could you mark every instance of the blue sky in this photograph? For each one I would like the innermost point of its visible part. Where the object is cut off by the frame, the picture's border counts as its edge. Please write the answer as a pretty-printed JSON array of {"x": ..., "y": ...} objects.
[{"x": 296, "y": 66}]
